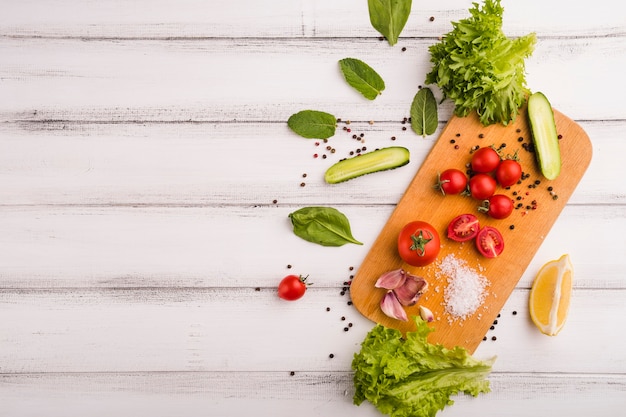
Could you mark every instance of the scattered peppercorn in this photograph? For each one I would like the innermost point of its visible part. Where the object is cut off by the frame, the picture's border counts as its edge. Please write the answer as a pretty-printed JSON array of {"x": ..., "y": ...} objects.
[
  {"x": 274, "y": 201},
  {"x": 327, "y": 308},
  {"x": 331, "y": 356},
  {"x": 289, "y": 266},
  {"x": 514, "y": 313},
  {"x": 292, "y": 373},
  {"x": 345, "y": 329},
  {"x": 494, "y": 338},
  {"x": 511, "y": 227},
  {"x": 257, "y": 289},
  {"x": 403, "y": 48},
  {"x": 302, "y": 184},
  {"x": 432, "y": 18}
]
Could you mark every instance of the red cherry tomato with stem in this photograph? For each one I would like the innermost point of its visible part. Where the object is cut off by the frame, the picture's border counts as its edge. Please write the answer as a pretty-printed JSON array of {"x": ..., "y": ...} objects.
[
  {"x": 292, "y": 287},
  {"x": 498, "y": 206},
  {"x": 463, "y": 228},
  {"x": 485, "y": 160},
  {"x": 451, "y": 181},
  {"x": 482, "y": 186},
  {"x": 418, "y": 243},
  {"x": 508, "y": 172},
  {"x": 489, "y": 242}
]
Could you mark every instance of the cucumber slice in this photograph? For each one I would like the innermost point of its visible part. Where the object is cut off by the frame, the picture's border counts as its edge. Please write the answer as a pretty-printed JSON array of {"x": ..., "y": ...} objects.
[
  {"x": 545, "y": 138},
  {"x": 367, "y": 163}
]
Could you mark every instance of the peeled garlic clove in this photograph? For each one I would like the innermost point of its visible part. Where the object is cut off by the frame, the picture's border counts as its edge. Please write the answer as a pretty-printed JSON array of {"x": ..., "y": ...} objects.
[
  {"x": 411, "y": 289},
  {"x": 426, "y": 314},
  {"x": 390, "y": 280},
  {"x": 392, "y": 307}
]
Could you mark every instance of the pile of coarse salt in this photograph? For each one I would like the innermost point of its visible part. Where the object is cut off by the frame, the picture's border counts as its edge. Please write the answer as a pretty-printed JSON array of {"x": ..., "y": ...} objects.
[{"x": 466, "y": 290}]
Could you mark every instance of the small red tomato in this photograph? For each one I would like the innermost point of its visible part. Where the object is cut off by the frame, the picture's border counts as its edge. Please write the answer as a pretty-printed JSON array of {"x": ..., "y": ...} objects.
[
  {"x": 292, "y": 287},
  {"x": 489, "y": 242},
  {"x": 485, "y": 160},
  {"x": 498, "y": 206},
  {"x": 482, "y": 186},
  {"x": 508, "y": 172},
  {"x": 463, "y": 228},
  {"x": 451, "y": 181},
  {"x": 418, "y": 243}
]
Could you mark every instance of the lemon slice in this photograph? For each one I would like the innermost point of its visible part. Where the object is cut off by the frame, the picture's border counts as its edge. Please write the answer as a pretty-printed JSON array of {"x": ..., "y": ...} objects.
[{"x": 550, "y": 295}]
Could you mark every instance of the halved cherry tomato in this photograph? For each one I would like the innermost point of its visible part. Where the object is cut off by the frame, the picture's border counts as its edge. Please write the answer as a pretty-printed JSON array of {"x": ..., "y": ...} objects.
[
  {"x": 292, "y": 287},
  {"x": 451, "y": 181},
  {"x": 482, "y": 186},
  {"x": 508, "y": 172},
  {"x": 498, "y": 206},
  {"x": 485, "y": 160},
  {"x": 463, "y": 228},
  {"x": 489, "y": 242},
  {"x": 418, "y": 243}
]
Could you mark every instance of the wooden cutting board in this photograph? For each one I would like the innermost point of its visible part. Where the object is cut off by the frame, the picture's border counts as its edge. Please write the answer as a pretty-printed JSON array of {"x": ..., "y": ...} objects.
[{"x": 523, "y": 231}]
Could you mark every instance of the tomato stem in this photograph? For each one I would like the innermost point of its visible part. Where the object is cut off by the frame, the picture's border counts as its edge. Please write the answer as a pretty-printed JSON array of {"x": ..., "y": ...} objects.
[{"x": 420, "y": 242}]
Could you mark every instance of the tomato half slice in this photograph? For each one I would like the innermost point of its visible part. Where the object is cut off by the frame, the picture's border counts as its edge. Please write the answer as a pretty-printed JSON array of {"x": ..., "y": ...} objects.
[
  {"x": 489, "y": 242},
  {"x": 463, "y": 228}
]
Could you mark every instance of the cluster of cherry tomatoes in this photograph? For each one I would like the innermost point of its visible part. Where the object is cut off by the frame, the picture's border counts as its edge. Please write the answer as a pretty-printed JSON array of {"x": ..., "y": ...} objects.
[{"x": 488, "y": 171}]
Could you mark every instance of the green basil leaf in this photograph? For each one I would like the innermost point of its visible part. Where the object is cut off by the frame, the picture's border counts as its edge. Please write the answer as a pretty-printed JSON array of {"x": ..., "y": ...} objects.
[
  {"x": 424, "y": 118},
  {"x": 388, "y": 17},
  {"x": 313, "y": 124},
  {"x": 362, "y": 77},
  {"x": 325, "y": 226}
]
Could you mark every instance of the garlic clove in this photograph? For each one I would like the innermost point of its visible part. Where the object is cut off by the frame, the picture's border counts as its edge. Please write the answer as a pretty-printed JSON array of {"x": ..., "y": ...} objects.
[
  {"x": 426, "y": 314},
  {"x": 411, "y": 289},
  {"x": 390, "y": 280},
  {"x": 392, "y": 307}
]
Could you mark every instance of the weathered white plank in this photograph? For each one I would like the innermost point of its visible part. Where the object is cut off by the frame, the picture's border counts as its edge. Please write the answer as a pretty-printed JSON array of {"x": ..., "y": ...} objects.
[
  {"x": 235, "y": 246},
  {"x": 305, "y": 393},
  {"x": 257, "y": 80},
  {"x": 284, "y": 18},
  {"x": 205, "y": 330},
  {"x": 55, "y": 162}
]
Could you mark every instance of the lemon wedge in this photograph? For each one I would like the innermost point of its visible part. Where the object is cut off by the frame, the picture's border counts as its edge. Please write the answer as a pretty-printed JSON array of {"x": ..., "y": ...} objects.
[{"x": 550, "y": 295}]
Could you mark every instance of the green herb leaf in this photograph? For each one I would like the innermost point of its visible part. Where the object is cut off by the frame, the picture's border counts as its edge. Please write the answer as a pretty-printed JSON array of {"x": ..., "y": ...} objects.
[
  {"x": 362, "y": 77},
  {"x": 411, "y": 377},
  {"x": 388, "y": 17},
  {"x": 325, "y": 226},
  {"x": 313, "y": 124},
  {"x": 479, "y": 68},
  {"x": 424, "y": 117}
]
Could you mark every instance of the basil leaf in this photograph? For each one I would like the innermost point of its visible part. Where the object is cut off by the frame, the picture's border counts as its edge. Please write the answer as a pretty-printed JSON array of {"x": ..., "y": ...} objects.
[
  {"x": 424, "y": 118},
  {"x": 313, "y": 124},
  {"x": 362, "y": 77},
  {"x": 389, "y": 17},
  {"x": 325, "y": 226}
]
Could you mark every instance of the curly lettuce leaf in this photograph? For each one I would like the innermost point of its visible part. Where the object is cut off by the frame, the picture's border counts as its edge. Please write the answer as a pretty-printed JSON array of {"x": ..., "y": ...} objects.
[
  {"x": 479, "y": 68},
  {"x": 412, "y": 377}
]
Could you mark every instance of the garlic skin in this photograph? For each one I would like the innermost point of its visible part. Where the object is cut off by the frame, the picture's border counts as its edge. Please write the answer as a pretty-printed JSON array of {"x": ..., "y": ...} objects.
[
  {"x": 403, "y": 289},
  {"x": 392, "y": 307},
  {"x": 411, "y": 290},
  {"x": 426, "y": 314},
  {"x": 391, "y": 280}
]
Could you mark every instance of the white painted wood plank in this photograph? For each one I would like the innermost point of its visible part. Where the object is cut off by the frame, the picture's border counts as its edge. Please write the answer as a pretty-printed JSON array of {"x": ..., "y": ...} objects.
[
  {"x": 307, "y": 393},
  {"x": 309, "y": 18},
  {"x": 57, "y": 162},
  {"x": 234, "y": 246},
  {"x": 204, "y": 330},
  {"x": 253, "y": 79}
]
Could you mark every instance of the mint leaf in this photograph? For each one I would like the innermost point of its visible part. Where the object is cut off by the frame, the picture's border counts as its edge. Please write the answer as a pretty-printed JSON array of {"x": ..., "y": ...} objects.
[
  {"x": 388, "y": 17},
  {"x": 362, "y": 77},
  {"x": 313, "y": 124},
  {"x": 424, "y": 118},
  {"x": 325, "y": 226}
]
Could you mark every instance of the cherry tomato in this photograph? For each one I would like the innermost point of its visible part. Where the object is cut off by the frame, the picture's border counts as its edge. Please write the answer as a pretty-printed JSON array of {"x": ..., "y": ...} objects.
[
  {"x": 463, "y": 228},
  {"x": 451, "y": 181},
  {"x": 418, "y": 243},
  {"x": 489, "y": 242},
  {"x": 292, "y": 287},
  {"x": 485, "y": 160},
  {"x": 498, "y": 206},
  {"x": 482, "y": 186},
  {"x": 508, "y": 172}
]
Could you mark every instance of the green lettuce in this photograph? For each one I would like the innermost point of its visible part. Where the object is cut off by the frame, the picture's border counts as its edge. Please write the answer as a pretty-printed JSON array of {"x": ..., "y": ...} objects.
[
  {"x": 479, "y": 68},
  {"x": 409, "y": 376}
]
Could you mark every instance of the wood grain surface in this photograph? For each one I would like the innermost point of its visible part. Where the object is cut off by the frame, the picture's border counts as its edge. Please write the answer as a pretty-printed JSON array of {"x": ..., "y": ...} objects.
[{"x": 523, "y": 231}]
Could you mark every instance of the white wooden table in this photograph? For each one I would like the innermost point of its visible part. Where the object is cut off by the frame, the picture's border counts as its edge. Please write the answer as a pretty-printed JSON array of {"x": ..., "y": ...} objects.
[{"x": 146, "y": 175}]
